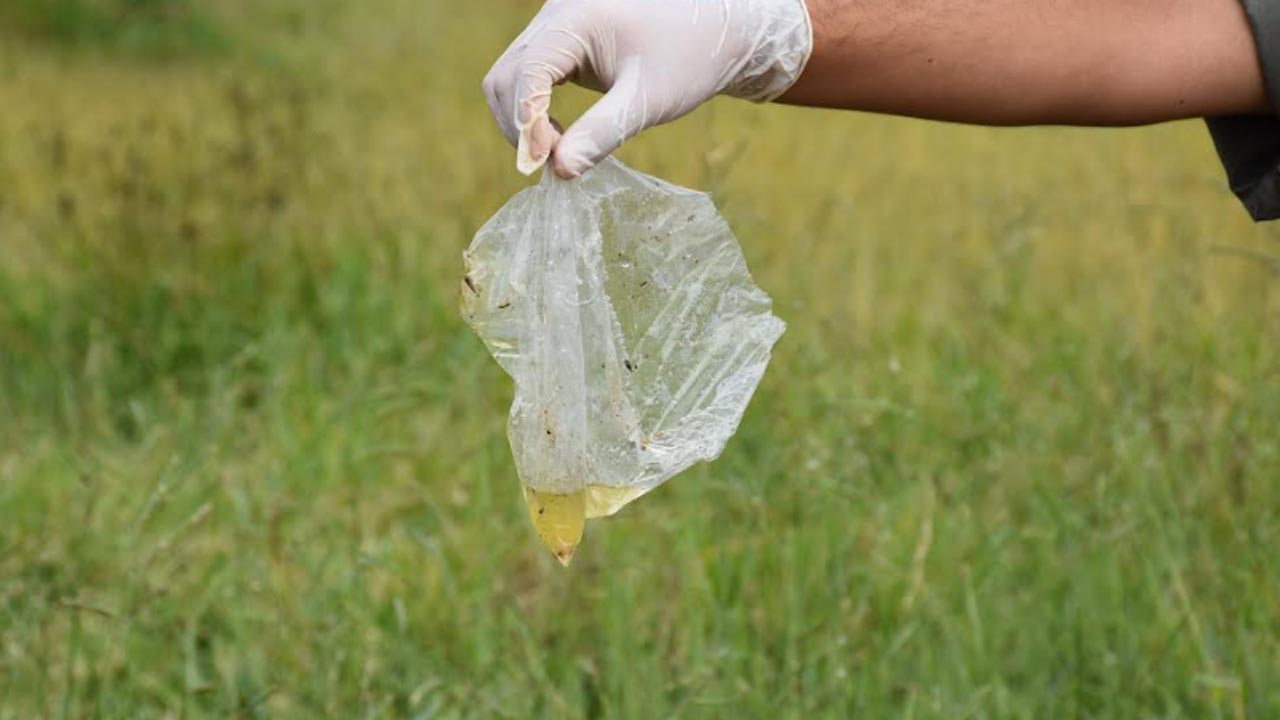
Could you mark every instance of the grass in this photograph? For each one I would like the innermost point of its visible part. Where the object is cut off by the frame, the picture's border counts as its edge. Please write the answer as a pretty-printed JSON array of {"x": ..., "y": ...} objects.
[
  {"x": 1015, "y": 458},
  {"x": 149, "y": 28}
]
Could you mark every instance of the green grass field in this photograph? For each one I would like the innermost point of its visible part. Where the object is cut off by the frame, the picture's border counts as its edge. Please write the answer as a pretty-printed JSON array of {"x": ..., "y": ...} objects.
[{"x": 1016, "y": 457}]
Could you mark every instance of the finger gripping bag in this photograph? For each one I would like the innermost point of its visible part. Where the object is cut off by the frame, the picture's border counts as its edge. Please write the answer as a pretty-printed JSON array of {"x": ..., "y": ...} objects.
[{"x": 622, "y": 308}]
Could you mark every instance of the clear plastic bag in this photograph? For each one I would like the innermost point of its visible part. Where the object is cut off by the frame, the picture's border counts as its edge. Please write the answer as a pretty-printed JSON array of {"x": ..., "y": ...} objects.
[{"x": 622, "y": 307}]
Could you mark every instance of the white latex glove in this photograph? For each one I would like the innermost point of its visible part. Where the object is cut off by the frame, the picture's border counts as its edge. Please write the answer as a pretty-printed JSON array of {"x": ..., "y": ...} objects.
[{"x": 656, "y": 60}]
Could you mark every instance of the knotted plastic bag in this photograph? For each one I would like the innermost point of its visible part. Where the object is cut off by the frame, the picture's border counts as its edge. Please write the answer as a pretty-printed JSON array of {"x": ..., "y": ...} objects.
[{"x": 622, "y": 307}]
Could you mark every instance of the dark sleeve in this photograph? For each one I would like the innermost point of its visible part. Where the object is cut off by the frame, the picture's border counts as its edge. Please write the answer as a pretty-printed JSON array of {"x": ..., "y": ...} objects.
[{"x": 1250, "y": 146}]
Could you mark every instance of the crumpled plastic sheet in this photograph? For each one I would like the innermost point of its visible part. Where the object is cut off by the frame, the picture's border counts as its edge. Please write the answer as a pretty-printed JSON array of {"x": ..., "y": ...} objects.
[{"x": 622, "y": 307}]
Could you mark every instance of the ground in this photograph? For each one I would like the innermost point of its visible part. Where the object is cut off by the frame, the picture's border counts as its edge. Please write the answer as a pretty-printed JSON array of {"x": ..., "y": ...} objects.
[{"x": 1016, "y": 456}]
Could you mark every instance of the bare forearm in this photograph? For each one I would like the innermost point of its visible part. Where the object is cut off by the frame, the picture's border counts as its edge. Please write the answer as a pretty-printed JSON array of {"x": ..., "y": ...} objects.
[{"x": 1013, "y": 62}]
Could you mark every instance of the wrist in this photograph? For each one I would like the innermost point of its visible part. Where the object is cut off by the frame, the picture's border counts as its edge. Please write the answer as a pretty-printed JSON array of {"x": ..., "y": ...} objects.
[
  {"x": 776, "y": 61},
  {"x": 833, "y": 49}
]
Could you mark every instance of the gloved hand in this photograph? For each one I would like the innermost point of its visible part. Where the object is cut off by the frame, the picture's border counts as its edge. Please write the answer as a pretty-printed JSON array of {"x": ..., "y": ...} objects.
[{"x": 656, "y": 60}]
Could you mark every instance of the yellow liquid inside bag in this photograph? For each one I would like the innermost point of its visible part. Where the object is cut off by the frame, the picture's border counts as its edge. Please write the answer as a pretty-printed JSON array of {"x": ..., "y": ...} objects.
[{"x": 559, "y": 520}]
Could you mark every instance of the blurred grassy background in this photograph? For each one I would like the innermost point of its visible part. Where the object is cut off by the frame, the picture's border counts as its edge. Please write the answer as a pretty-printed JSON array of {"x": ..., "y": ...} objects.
[{"x": 1015, "y": 458}]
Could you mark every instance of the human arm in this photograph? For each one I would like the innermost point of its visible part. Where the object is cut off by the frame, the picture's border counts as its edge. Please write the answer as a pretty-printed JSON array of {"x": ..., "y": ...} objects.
[
  {"x": 1027, "y": 62},
  {"x": 1087, "y": 62}
]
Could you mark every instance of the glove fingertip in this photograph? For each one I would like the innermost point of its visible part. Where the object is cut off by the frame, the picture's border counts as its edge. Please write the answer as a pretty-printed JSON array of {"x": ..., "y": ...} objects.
[
  {"x": 571, "y": 160},
  {"x": 565, "y": 173},
  {"x": 537, "y": 139},
  {"x": 526, "y": 162}
]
